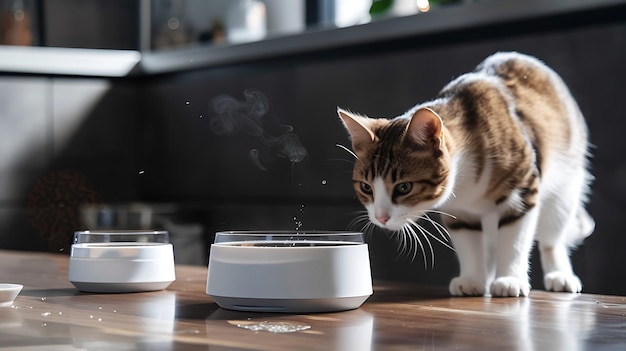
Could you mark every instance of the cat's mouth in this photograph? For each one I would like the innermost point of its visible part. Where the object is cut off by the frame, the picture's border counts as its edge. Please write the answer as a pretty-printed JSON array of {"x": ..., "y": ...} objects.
[{"x": 390, "y": 225}]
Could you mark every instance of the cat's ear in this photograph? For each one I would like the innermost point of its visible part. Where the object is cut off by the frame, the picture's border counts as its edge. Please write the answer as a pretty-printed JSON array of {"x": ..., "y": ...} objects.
[
  {"x": 425, "y": 128},
  {"x": 357, "y": 126}
]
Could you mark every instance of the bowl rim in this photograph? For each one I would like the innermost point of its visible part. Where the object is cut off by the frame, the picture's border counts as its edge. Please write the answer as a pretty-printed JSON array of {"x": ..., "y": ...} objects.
[
  {"x": 291, "y": 232},
  {"x": 121, "y": 236},
  {"x": 10, "y": 286},
  {"x": 225, "y": 237},
  {"x": 120, "y": 231}
]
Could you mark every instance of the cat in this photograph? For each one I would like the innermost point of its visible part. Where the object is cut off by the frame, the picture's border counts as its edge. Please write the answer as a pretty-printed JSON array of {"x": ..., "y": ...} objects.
[{"x": 502, "y": 153}]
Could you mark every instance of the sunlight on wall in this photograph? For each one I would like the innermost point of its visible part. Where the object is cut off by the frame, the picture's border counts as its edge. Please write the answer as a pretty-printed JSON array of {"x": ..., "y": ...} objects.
[
  {"x": 38, "y": 116},
  {"x": 73, "y": 101},
  {"x": 24, "y": 124}
]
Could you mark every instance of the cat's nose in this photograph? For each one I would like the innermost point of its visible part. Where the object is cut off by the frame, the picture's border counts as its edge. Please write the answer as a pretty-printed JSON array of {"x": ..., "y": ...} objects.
[{"x": 383, "y": 219}]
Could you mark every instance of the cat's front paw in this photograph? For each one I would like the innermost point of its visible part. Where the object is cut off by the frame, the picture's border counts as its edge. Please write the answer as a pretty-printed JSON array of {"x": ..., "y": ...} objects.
[
  {"x": 465, "y": 286},
  {"x": 510, "y": 287},
  {"x": 559, "y": 281}
]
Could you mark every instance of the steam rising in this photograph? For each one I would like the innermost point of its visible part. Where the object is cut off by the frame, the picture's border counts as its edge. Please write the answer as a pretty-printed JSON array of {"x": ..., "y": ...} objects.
[{"x": 233, "y": 116}]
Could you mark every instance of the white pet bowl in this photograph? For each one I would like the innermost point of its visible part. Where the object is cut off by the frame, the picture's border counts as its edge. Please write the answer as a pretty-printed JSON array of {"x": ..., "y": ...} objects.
[
  {"x": 121, "y": 261},
  {"x": 289, "y": 272},
  {"x": 8, "y": 293}
]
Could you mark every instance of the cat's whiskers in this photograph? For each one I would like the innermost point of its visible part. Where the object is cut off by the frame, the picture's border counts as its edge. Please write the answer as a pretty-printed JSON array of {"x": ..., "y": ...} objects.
[
  {"x": 362, "y": 217},
  {"x": 426, "y": 232},
  {"x": 347, "y": 150},
  {"x": 451, "y": 192},
  {"x": 407, "y": 245},
  {"x": 339, "y": 174},
  {"x": 350, "y": 161},
  {"x": 410, "y": 228},
  {"x": 362, "y": 223},
  {"x": 440, "y": 228},
  {"x": 408, "y": 240},
  {"x": 400, "y": 236},
  {"x": 440, "y": 213}
]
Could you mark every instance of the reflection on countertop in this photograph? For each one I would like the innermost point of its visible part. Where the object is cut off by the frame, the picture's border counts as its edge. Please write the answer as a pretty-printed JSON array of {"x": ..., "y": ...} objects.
[{"x": 50, "y": 313}]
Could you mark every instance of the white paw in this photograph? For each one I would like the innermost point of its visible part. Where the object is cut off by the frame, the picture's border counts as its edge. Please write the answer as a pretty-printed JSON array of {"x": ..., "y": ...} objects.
[
  {"x": 510, "y": 286},
  {"x": 464, "y": 286},
  {"x": 559, "y": 281}
]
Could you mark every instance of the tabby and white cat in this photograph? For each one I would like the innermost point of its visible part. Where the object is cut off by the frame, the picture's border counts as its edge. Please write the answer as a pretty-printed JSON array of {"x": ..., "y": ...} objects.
[{"x": 501, "y": 150}]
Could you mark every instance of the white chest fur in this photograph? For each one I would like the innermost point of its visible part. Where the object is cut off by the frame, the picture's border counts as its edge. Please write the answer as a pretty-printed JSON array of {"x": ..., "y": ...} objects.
[{"x": 468, "y": 191}]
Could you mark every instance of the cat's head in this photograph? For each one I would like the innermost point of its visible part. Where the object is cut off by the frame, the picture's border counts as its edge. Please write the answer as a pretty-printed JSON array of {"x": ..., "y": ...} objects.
[{"x": 402, "y": 167}]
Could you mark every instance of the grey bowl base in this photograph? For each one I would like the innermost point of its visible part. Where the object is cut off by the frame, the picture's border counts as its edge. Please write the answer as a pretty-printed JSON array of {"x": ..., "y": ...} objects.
[
  {"x": 290, "y": 305},
  {"x": 113, "y": 288}
]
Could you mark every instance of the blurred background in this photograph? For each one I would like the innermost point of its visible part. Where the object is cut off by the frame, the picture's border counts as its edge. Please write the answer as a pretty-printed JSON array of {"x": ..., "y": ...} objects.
[{"x": 198, "y": 116}]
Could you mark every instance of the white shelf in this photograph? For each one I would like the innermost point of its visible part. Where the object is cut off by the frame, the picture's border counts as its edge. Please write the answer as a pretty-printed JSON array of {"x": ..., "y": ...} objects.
[{"x": 121, "y": 63}]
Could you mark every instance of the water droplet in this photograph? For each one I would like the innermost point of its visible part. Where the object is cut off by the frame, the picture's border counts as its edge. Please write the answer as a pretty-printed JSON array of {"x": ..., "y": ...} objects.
[
  {"x": 323, "y": 181},
  {"x": 99, "y": 308},
  {"x": 60, "y": 312},
  {"x": 61, "y": 249},
  {"x": 43, "y": 299},
  {"x": 46, "y": 314},
  {"x": 186, "y": 102},
  {"x": 99, "y": 319},
  {"x": 91, "y": 316},
  {"x": 142, "y": 172},
  {"x": 201, "y": 116}
]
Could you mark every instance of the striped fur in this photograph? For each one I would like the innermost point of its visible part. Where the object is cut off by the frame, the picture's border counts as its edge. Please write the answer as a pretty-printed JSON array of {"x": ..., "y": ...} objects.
[{"x": 501, "y": 150}]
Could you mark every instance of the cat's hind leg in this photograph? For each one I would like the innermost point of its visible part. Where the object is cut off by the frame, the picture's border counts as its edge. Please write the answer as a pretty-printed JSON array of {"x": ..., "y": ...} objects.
[{"x": 563, "y": 224}]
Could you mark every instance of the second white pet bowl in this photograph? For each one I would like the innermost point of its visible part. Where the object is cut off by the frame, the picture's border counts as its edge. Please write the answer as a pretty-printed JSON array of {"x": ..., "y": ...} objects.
[
  {"x": 8, "y": 293},
  {"x": 289, "y": 272},
  {"x": 121, "y": 261}
]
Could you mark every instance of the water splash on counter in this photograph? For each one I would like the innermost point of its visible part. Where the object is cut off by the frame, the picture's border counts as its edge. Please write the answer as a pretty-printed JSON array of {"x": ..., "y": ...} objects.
[{"x": 275, "y": 327}]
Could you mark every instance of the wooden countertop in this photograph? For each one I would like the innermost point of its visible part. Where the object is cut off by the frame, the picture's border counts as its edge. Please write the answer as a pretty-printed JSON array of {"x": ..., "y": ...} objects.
[{"x": 50, "y": 314}]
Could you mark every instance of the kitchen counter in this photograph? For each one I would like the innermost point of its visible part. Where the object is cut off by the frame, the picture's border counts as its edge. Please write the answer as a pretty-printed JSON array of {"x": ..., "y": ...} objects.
[{"x": 51, "y": 314}]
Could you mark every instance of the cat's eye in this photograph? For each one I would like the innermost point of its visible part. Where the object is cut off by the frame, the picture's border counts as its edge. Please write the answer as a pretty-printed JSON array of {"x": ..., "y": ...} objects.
[
  {"x": 366, "y": 188},
  {"x": 403, "y": 188}
]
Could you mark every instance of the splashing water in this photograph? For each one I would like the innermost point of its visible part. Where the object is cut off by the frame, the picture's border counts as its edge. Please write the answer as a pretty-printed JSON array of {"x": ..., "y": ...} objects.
[{"x": 297, "y": 221}]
